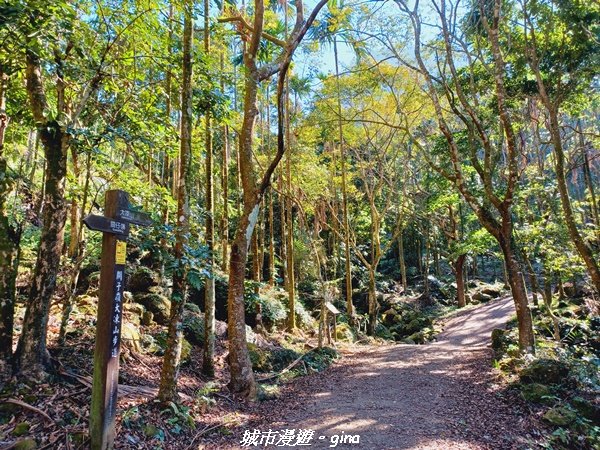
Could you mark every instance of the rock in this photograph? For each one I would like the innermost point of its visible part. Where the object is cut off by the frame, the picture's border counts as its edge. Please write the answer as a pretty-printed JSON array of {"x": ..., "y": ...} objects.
[
  {"x": 147, "y": 318},
  {"x": 21, "y": 429},
  {"x": 413, "y": 326},
  {"x": 389, "y": 317},
  {"x": 545, "y": 371},
  {"x": 492, "y": 291},
  {"x": 535, "y": 392},
  {"x": 480, "y": 296},
  {"x": 142, "y": 280},
  {"x": 157, "y": 304},
  {"x": 186, "y": 351},
  {"x": 560, "y": 416},
  {"x": 344, "y": 333},
  {"x": 587, "y": 409},
  {"x": 193, "y": 326},
  {"x": 26, "y": 444},
  {"x": 133, "y": 312},
  {"x": 134, "y": 308},
  {"x": 130, "y": 336},
  {"x": 418, "y": 337}
]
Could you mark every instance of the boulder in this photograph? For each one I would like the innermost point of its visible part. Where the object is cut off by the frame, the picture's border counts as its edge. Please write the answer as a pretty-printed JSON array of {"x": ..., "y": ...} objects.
[
  {"x": 193, "y": 326},
  {"x": 157, "y": 304},
  {"x": 418, "y": 337},
  {"x": 587, "y": 409},
  {"x": 389, "y": 317},
  {"x": 545, "y": 371},
  {"x": 130, "y": 336},
  {"x": 133, "y": 312},
  {"x": 492, "y": 291},
  {"x": 344, "y": 333},
  {"x": 142, "y": 280},
  {"x": 536, "y": 392},
  {"x": 482, "y": 297},
  {"x": 560, "y": 416}
]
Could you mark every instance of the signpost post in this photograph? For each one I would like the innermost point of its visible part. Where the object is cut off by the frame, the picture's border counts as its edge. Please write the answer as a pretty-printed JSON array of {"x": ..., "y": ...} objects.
[{"x": 115, "y": 228}]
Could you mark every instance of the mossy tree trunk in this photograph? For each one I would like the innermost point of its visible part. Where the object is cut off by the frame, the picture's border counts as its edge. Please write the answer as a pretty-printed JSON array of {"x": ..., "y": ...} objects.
[{"x": 32, "y": 357}]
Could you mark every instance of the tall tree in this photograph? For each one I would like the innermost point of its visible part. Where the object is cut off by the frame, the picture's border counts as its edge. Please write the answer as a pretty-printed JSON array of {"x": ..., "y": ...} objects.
[
  {"x": 242, "y": 377},
  {"x": 574, "y": 63},
  {"x": 493, "y": 210},
  {"x": 172, "y": 358},
  {"x": 209, "y": 284}
]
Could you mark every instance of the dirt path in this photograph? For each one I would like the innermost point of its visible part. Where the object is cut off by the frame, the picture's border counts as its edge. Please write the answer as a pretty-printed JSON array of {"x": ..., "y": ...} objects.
[{"x": 441, "y": 396}]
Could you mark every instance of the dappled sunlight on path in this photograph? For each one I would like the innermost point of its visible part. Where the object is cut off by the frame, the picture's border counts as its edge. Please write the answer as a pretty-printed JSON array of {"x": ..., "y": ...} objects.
[{"x": 439, "y": 396}]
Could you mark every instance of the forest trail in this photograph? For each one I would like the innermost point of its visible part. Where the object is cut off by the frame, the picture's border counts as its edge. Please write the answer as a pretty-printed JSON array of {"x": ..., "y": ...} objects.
[{"x": 444, "y": 395}]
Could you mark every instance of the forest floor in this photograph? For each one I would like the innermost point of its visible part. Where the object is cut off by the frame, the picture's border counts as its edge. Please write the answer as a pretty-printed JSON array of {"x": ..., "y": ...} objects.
[{"x": 445, "y": 395}]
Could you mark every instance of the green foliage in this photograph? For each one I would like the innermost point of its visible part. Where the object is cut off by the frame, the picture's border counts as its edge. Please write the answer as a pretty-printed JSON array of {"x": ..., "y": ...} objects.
[{"x": 178, "y": 417}]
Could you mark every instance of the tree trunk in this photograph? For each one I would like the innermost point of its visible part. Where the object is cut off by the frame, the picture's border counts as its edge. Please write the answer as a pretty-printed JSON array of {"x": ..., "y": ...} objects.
[
  {"x": 349, "y": 306},
  {"x": 271, "y": 240},
  {"x": 242, "y": 378},
  {"x": 372, "y": 302},
  {"x": 32, "y": 357},
  {"x": 402, "y": 261},
  {"x": 587, "y": 175},
  {"x": 291, "y": 279},
  {"x": 583, "y": 248},
  {"x": 533, "y": 278},
  {"x": 459, "y": 273},
  {"x": 208, "y": 368},
  {"x": 519, "y": 293},
  {"x": 9, "y": 241},
  {"x": 170, "y": 368}
]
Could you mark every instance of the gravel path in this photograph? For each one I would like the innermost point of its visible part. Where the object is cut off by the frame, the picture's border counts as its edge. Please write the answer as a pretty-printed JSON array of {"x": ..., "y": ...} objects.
[{"x": 439, "y": 396}]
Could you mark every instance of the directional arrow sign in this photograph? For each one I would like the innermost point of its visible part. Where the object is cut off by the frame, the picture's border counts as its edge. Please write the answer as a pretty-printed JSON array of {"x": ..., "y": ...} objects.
[
  {"x": 106, "y": 225},
  {"x": 134, "y": 217}
]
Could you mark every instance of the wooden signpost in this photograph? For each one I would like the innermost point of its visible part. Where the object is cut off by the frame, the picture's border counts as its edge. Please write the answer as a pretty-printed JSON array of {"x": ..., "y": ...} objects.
[{"x": 114, "y": 225}]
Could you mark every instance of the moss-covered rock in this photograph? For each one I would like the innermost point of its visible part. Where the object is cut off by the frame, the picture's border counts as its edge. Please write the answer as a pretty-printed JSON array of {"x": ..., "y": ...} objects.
[
  {"x": 536, "y": 392},
  {"x": 560, "y": 416},
  {"x": 193, "y": 325},
  {"x": 383, "y": 332},
  {"x": 130, "y": 336},
  {"x": 141, "y": 280},
  {"x": 587, "y": 409},
  {"x": 344, "y": 333},
  {"x": 545, "y": 371},
  {"x": 157, "y": 304},
  {"x": 482, "y": 297}
]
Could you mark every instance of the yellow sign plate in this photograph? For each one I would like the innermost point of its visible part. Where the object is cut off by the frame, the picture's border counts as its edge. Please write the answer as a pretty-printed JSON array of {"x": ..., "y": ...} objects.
[{"x": 121, "y": 252}]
